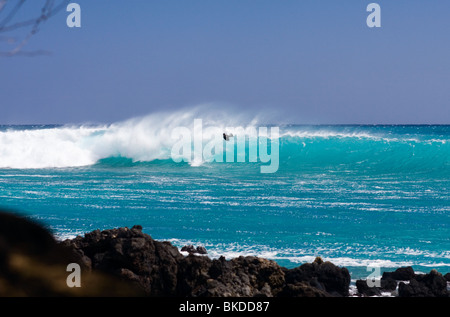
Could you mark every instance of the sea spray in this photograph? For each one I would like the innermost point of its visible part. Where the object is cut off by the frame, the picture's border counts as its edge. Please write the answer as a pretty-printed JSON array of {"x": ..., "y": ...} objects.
[{"x": 141, "y": 139}]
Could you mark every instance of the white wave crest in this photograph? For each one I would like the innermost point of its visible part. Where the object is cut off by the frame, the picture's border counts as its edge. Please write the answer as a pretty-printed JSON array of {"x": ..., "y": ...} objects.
[{"x": 140, "y": 139}]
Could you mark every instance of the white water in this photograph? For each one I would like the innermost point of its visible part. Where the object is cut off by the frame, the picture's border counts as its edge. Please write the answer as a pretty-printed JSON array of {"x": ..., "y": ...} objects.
[{"x": 142, "y": 139}]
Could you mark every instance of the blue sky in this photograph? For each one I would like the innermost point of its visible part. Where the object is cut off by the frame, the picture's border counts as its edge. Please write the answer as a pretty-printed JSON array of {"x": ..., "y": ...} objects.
[{"x": 310, "y": 61}]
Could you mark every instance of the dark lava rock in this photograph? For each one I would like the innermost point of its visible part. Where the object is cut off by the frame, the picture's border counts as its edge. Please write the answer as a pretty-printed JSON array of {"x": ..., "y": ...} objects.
[
  {"x": 160, "y": 270},
  {"x": 242, "y": 276},
  {"x": 425, "y": 285},
  {"x": 324, "y": 275},
  {"x": 192, "y": 250},
  {"x": 132, "y": 255},
  {"x": 386, "y": 285},
  {"x": 201, "y": 250},
  {"x": 366, "y": 290},
  {"x": 447, "y": 277},
  {"x": 400, "y": 274}
]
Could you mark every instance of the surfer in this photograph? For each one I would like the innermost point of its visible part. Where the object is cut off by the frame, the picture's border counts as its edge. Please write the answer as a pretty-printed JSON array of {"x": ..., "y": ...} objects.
[{"x": 226, "y": 137}]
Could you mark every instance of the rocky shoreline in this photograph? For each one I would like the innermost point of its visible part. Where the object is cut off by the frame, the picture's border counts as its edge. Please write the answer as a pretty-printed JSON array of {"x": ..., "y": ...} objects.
[
  {"x": 161, "y": 270},
  {"x": 127, "y": 262}
]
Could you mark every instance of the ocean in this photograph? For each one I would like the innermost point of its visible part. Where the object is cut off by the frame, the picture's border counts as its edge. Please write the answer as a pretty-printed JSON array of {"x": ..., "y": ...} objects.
[{"x": 355, "y": 195}]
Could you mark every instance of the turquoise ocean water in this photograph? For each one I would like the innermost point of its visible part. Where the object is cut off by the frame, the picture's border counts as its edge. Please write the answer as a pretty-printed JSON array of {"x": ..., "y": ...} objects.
[{"x": 356, "y": 195}]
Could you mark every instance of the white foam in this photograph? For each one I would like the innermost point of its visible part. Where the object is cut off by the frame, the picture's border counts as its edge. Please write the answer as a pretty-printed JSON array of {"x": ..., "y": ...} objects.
[
  {"x": 141, "y": 139},
  {"x": 234, "y": 250},
  {"x": 361, "y": 135},
  {"x": 57, "y": 147}
]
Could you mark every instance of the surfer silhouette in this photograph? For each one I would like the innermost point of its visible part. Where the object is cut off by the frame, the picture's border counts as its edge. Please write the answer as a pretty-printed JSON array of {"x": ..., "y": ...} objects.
[{"x": 226, "y": 137}]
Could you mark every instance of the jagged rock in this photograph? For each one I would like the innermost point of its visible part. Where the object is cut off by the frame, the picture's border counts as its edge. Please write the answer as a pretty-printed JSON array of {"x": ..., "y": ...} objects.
[
  {"x": 325, "y": 275},
  {"x": 366, "y": 290},
  {"x": 416, "y": 285},
  {"x": 447, "y": 277},
  {"x": 161, "y": 270},
  {"x": 400, "y": 274},
  {"x": 386, "y": 285},
  {"x": 192, "y": 250},
  {"x": 425, "y": 285},
  {"x": 413, "y": 289},
  {"x": 242, "y": 276},
  {"x": 201, "y": 250},
  {"x": 188, "y": 248},
  {"x": 123, "y": 251}
]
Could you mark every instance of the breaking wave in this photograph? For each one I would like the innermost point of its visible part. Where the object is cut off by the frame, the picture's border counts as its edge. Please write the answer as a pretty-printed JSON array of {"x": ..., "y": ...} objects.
[{"x": 149, "y": 138}]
